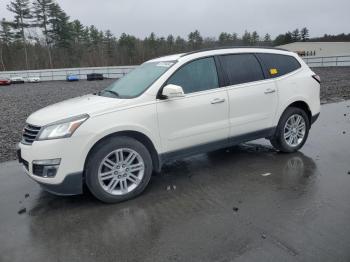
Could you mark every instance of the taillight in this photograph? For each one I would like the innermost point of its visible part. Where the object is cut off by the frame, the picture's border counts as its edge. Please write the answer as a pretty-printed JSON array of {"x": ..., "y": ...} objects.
[{"x": 317, "y": 78}]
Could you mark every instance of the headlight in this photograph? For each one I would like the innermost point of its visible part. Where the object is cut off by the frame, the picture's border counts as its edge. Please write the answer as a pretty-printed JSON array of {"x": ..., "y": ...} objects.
[{"x": 61, "y": 129}]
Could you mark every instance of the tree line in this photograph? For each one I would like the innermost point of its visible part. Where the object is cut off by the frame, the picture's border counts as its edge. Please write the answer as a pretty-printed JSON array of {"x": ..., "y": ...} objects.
[{"x": 41, "y": 35}]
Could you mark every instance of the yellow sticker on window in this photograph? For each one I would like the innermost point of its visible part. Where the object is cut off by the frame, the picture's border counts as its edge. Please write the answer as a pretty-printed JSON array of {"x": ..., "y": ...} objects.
[{"x": 273, "y": 71}]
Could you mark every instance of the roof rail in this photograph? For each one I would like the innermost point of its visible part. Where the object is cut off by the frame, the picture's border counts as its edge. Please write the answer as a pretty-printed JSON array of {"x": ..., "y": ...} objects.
[{"x": 231, "y": 47}]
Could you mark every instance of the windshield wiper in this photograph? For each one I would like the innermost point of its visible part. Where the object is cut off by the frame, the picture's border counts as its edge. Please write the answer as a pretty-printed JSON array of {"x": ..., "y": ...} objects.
[{"x": 112, "y": 92}]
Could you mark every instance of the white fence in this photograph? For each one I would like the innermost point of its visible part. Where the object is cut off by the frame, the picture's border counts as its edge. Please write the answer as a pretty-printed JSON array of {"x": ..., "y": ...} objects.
[
  {"x": 120, "y": 71},
  {"x": 327, "y": 61},
  {"x": 61, "y": 74}
]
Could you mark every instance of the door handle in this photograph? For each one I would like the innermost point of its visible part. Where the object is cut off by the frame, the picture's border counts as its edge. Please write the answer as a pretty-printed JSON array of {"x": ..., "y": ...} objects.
[
  {"x": 217, "y": 101},
  {"x": 270, "y": 91}
]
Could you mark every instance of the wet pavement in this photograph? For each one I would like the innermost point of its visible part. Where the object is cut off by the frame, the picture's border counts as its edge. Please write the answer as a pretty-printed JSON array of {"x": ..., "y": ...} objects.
[{"x": 248, "y": 203}]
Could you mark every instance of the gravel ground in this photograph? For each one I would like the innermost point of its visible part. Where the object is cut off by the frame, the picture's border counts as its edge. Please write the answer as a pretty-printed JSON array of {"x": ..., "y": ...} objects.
[
  {"x": 19, "y": 101},
  {"x": 335, "y": 85}
]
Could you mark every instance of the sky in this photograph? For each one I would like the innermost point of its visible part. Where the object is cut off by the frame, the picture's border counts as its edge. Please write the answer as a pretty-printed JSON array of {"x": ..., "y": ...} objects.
[{"x": 210, "y": 17}]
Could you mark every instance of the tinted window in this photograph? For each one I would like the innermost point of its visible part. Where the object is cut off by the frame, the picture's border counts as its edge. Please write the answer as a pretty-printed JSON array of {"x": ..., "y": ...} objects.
[
  {"x": 241, "y": 68},
  {"x": 195, "y": 76},
  {"x": 283, "y": 63}
]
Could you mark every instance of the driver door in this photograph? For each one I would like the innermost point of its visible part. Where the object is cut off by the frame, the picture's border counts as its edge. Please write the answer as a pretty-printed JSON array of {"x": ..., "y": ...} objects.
[{"x": 198, "y": 121}]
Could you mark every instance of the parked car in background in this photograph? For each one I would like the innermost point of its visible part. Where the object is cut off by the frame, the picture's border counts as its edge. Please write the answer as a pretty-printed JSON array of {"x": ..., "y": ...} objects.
[
  {"x": 17, "y": 80},
  {"x": 72, "y": 78},
  {"x": 166, "y": 109},
  {"x": 94, "y": 76},
  {"x": 33, "y": 79},
  {"x": 5, "y": 82}
]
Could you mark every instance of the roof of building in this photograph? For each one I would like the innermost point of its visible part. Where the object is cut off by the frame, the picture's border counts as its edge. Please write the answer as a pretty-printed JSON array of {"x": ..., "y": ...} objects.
[{"x": 315, "y": 44}]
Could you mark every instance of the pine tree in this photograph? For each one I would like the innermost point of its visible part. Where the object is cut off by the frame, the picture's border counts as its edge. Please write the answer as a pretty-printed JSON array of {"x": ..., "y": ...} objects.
[
  {"x": 255, "y": 38},
  {"x": 180, "y": 44},
  {"x": 304, "y": 34},
  {"x": 86, "y": 37},
  {"x": 246, "y": 38},
  {"x": 127, "y": 43},
  {"x": 42, "y": 20},
  {"x": 296, "y": 35},
  {"x": 78, "y": 32},
  {"x": 109, "y": 45},
  {"x": 6, "y": 37},
  {"x": 6, "y": 34},
  {"x": 94, "y": 36},
  {"x": 61, "y": 28},
  {"x": 225, "y": 39},
  {"x": 267, "y": 39},
  {"x": 234, "y": 37},
  {"x": 195, "y": 40},
  {"x": 22, "y": 17}
]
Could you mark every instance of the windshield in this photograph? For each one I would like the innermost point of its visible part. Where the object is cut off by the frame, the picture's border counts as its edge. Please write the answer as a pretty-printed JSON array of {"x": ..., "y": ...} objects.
[{"x": 138, "y": 80}]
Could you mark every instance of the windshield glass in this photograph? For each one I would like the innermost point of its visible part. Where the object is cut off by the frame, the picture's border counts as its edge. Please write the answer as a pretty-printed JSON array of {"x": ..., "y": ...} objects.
[{"x": 138, "y": 80}]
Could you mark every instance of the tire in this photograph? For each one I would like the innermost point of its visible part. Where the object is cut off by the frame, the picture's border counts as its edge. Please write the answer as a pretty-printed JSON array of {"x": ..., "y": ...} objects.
[
  {"x": 103, "y": 166},
  {"x": 283, "y": 144}
]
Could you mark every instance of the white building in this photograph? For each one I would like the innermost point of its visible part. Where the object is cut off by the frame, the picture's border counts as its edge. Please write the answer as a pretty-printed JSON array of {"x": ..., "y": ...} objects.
[{"x": 319, "y": 49}]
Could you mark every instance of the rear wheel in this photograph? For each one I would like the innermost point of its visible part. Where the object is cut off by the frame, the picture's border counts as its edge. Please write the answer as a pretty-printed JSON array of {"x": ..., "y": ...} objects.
[
  {"x": 292, "y": 130},
  {"x": 118, "y": 169}
]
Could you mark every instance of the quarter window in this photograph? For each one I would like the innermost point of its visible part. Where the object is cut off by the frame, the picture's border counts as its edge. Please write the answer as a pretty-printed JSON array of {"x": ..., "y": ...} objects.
[
  {"x": 199, "y": 75},
  {"x": 283, "y": 64},
  {"x": 241, "y": 68}
]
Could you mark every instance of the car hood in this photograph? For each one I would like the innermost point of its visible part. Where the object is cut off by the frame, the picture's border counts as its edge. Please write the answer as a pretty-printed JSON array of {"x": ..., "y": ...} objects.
[{"x": 88, "y": 104}]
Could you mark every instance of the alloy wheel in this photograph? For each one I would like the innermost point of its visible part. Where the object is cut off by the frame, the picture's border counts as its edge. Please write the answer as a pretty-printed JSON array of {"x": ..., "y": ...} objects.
[
  {"x": 121, "y": 171},
  {"x": 294, "y": 130}
]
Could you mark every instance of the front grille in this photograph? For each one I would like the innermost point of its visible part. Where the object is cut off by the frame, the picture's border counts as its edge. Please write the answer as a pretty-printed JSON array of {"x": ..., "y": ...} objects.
[{"x": 30, "y": 133}]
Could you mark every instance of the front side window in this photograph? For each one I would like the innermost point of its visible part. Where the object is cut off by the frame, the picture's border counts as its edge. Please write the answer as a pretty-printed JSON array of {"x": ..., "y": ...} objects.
[
  {"x": 199, "y": 75},
  {"x": 138, "y": 80},
  {"x": 241, "y": 68},
  {"x": 277, "y": 65}
]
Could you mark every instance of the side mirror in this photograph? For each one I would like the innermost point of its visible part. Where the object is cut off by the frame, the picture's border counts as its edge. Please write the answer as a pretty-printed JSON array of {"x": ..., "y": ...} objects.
[{"x": 173, "y": 91}]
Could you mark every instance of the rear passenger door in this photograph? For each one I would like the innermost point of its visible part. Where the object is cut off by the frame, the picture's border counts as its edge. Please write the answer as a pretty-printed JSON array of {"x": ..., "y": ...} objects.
[{"x": 252, "y": 98}]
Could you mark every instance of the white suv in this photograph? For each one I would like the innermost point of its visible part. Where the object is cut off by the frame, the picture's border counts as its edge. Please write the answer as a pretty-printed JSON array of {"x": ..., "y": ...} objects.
[{"x": 168, "y": 108}]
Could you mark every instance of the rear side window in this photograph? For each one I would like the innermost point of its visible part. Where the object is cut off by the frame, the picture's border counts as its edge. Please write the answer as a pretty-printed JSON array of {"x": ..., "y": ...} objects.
[
  {"x": 241, "y": 68},
  {"x": 277, "y": 65},
  {"x": 199, "y": 75}
]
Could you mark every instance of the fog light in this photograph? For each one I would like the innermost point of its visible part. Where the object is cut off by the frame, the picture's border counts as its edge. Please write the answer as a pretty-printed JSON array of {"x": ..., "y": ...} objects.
[
  {"x": 46, "y": 168},
  {"x": 47, "y": 162}
]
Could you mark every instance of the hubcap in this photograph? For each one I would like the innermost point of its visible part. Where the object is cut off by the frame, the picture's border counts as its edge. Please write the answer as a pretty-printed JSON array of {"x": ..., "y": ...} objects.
[
  {"x": 121, "y": 171},
  {"x": 294, "y": 130}
]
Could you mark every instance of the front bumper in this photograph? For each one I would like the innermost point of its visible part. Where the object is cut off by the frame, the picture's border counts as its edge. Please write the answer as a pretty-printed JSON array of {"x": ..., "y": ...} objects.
[
  {"x": 71, "y": 185},
  {"x": 69, "y": 177}
]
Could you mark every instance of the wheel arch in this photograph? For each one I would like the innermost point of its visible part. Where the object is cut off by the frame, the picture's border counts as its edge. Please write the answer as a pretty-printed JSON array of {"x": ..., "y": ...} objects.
[
  {"x": 139, "y": 136},
  {"x": 304, "y": 106},
  {"x": 299, "y": 103}
]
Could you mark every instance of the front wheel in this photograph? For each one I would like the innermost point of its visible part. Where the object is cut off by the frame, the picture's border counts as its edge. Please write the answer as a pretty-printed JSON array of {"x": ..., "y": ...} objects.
[
  {"x": 118, "y": 169},
  {"x": 291, "y": 131}
]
